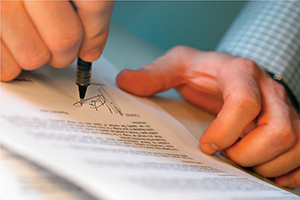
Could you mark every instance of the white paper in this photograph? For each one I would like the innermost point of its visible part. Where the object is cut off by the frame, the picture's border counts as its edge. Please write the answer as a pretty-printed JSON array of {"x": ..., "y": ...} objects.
[
  {"x": 115, "y": 146},
  {"x": 23, "y": 179}
]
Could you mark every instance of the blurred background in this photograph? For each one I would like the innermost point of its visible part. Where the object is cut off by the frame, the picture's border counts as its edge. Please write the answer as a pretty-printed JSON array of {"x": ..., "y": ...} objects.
[
  {"x": 144, "y": 30},
  {"x": 199, "y": 24}
]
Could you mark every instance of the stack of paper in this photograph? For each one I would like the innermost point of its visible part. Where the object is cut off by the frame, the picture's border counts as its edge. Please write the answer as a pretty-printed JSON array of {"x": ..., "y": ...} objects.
[{"x": 116, "y": 146}]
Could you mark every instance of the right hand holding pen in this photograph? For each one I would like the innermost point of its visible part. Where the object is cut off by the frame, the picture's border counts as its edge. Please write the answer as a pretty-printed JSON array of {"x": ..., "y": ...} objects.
[{"x": 35, "y": 33}]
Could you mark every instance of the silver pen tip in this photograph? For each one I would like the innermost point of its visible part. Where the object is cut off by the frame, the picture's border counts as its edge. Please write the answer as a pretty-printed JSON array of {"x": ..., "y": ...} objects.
[{"x": 81, "y": 101}]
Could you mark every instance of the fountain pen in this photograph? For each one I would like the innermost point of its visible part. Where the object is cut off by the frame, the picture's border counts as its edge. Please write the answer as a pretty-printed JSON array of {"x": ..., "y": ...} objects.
[{"x": 83, "y": 77}]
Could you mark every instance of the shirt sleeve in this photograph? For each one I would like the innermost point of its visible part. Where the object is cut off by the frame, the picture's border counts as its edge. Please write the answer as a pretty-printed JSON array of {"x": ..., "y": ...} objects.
[{"x": 269, "y": 34}]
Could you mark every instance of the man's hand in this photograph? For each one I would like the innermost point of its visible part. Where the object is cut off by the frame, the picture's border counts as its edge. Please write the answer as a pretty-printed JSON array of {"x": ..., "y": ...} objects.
[
  {"x": 256, "y": 125},
  {"x": 34, "y": 33}
]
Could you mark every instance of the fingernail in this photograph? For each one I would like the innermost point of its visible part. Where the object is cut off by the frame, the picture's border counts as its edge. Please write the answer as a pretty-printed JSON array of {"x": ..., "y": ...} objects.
[
  {"x": 209, "y": 148},
  {"x": 93, "y": 54},
  {"x": 286, "y": 181}
]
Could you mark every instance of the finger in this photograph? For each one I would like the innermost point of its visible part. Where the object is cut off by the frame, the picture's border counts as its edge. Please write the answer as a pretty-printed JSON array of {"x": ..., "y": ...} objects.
[
  {"x": 60, "y": 28},
  {"x": 95, "y": 17},
  {"x": 209, "y": 102},
  {"x": 285, "y": 162},
  {"x": 166, "y": 72},
  {"x": 9, "y": 67},
  {"x": 275, "y": 134},
  {"x": 241, "y": 105},
  {"x": 146, "y": 81},
  {"x": 291, "y": 180},
  {"x": 250, "y": 127},
  {"x": 21, "y": 37}
]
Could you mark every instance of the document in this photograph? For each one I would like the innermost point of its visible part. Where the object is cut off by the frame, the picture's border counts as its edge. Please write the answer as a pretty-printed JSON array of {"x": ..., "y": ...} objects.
[
  {"x": 115, "y": 146},
  {"x": 23, "y": 179}
]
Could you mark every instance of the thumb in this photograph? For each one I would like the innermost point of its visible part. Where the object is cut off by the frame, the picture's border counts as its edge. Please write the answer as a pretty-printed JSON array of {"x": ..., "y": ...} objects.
[
  {"x": 95, "y": 17},
  {"x": 160, "y": 75}
]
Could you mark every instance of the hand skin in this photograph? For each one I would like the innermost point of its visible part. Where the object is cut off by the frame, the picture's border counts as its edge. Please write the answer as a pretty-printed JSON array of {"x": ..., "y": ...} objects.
[
  {"x": 256, "y": 125},
  {"x": 35, "y": 33}
]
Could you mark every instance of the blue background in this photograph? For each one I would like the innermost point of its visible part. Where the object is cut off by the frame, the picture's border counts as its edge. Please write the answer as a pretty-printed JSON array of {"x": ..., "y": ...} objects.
[{"x": 199, "y": 24}]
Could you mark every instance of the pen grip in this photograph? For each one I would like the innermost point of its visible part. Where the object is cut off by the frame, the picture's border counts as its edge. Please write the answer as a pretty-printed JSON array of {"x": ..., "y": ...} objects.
[{"x": 83, "y": 73}]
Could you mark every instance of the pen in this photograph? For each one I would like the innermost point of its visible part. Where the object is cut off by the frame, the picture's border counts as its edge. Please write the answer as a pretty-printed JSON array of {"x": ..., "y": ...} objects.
[{"x": 83, "y": 77}]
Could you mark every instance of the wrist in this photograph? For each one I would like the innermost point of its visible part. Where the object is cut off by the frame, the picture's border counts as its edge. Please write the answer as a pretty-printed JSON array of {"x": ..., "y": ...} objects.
[{"x": 289, "y": 92}]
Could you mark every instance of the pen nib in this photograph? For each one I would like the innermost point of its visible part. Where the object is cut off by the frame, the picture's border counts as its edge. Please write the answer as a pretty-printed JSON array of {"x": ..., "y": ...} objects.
[{"x": 81, "y": 102}]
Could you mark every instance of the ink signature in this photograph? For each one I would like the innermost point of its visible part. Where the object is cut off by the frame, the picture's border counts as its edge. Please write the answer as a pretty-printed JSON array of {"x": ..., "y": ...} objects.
[
  {"x": 103, "y": 98},
  {"x": 23, "y": 80}
]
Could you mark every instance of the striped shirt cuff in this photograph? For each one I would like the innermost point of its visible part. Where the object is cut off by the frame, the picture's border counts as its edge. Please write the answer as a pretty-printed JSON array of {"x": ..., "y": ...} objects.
[{"x": 268, "y": 32}]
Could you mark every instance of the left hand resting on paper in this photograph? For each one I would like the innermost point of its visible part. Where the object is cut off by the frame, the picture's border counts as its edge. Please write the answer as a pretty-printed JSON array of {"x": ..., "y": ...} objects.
[{"x": 256, "y": 125}]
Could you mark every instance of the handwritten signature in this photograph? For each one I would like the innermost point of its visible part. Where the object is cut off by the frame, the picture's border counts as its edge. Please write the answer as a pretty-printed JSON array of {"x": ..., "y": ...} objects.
[{"x": 103, "y": 98}]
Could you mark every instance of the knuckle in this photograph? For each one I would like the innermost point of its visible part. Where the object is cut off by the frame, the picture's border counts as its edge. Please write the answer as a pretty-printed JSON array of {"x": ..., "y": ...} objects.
[
  {"x": 285, "y": 136},
  {"x": 247, "y": 64},
  {"x": 67, "y": 41},
  {"x": 248, "y": 101},
  {"x": 184, "y": 56}
]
